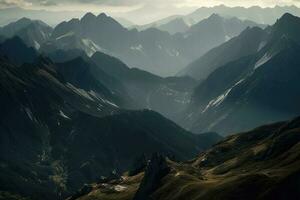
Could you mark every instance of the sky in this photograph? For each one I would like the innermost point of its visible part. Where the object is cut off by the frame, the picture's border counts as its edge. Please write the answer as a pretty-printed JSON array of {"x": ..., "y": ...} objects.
[
  {"x": 126, "y": 5},
  {"x": 146, "y": 10}
]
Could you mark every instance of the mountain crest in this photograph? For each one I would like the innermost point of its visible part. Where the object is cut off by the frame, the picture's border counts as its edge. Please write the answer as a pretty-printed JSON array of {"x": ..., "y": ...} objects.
[
  {"x": 288, "y": 26},
  {"x": 286, "y": 17},
  {"x": 102, "y": 15},
  {"x": 215, "y": 16},
  {"x": 88, "y": 17}
]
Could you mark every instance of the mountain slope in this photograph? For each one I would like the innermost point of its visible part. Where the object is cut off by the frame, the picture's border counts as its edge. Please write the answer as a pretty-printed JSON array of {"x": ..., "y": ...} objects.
[
  {"x": 68, "y": 135},
  {"x": 252, "y": 90},
  {"x": 168, "y": 96},
  {"x": 259, "y": 164},
  {"x": 17, "y": 51},
  {"x": 247, "y": 43}
]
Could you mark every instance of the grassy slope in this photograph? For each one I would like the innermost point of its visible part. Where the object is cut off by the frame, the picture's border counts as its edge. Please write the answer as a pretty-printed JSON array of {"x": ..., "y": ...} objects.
[{"x": 261, "y": 164}]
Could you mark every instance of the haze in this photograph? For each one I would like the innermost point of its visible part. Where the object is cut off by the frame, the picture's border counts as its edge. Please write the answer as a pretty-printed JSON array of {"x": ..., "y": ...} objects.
[{"x": 137, "y": 11}]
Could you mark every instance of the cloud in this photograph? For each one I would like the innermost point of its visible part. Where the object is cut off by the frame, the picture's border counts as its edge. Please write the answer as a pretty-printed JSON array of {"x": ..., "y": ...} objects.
[
  {"x": 157, "y": 3},
  {"x": 14, "y": 3},
  {"x": 48, "y": 3}
]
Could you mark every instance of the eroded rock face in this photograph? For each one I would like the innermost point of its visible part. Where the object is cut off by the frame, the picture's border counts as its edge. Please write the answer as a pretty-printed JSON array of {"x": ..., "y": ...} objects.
[{"x": 155, "y": 171}]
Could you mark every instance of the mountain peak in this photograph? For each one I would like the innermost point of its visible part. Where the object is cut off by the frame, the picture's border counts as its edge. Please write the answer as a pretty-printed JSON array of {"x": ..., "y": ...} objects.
[
  {"x": 102, "y": 15},
  {"x": 287, "y": 25},
  {"x": 287, "y": 17},
  {"x": 88, "y": 16},
  {"x": 24, "y": 19},
  {"x": 214, "y": 16}
]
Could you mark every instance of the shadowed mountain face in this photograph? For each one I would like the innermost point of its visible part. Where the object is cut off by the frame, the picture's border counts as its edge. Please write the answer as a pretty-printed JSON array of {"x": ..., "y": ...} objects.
[
  {"x": 259, "y": 164},
  {"x": 71, "y": 130},
  {"x": 152, "y": 50},
  {"x": 254, "y": 89},
  {"x": 17, "y": 51},
  {"x": 132, "y": 88}
]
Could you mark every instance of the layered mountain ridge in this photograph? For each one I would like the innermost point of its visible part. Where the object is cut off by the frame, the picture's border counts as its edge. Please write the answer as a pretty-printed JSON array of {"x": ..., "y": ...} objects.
[
  {"x": 68, "y": 130},
  {"x": 152, "y": 50}
]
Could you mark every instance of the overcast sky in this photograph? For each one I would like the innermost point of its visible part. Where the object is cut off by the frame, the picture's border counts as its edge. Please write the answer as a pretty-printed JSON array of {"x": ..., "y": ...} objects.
[
  {"x": 131, "y": 4},
  {"x": 146, "y": 10}
]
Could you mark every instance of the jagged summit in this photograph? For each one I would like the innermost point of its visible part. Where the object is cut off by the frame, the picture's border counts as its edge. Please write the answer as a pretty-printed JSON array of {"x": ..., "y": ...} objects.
[
  {"x": 215, "y": 16},
  {"x": 88, "y": 16},
  {"x": 287, "y": 17},
  {"x": 102, "y": 15},
  {"x": 286, "y": 20},
  {"x": 24, "y": 19}
]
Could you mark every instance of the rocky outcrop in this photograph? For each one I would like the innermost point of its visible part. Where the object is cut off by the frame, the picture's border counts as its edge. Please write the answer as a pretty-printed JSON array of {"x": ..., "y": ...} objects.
[{"x": 155, "y": 171}]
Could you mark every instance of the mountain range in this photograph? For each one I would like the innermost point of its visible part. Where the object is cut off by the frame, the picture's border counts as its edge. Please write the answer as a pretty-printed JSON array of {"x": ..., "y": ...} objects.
[
  {"x": 153, "y": 50},
  {"x": 255, "y": 76},
  {"x": 72, "y": 129},
  {"x": 178, "y": 23},
  {"x": 257, "y": 14},
  {"x": 89, "y": 110}
]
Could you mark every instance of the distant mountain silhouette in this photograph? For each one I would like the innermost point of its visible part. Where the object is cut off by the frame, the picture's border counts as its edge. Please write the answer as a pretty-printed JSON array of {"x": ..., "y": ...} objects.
[{"x": 152, "y": 50}]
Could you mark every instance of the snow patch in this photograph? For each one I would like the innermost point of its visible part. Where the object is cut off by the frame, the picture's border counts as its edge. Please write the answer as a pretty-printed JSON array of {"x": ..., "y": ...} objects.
[
  {"x": 29, "y": 114},
  {"x": 90, "y": 47},
  {"x": 137, "y": 48},
  {"x": 80, "y": 92},
  {"x": 173, "y": 53},
  {"x": 44, "y": 35},
  {"x": 98, "y": 97},
  {"x": 262, "y": 60},
  {"x": 220, "y": 99},
  {"x": 111, "y": 103},
  {"x": 61, "y": 113},
  {"x": 65, "y": 35},
  {"x": 37, "y": 46},
  {"x": 227, "y": 37},
  {"x": 262, "y": 45}
]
